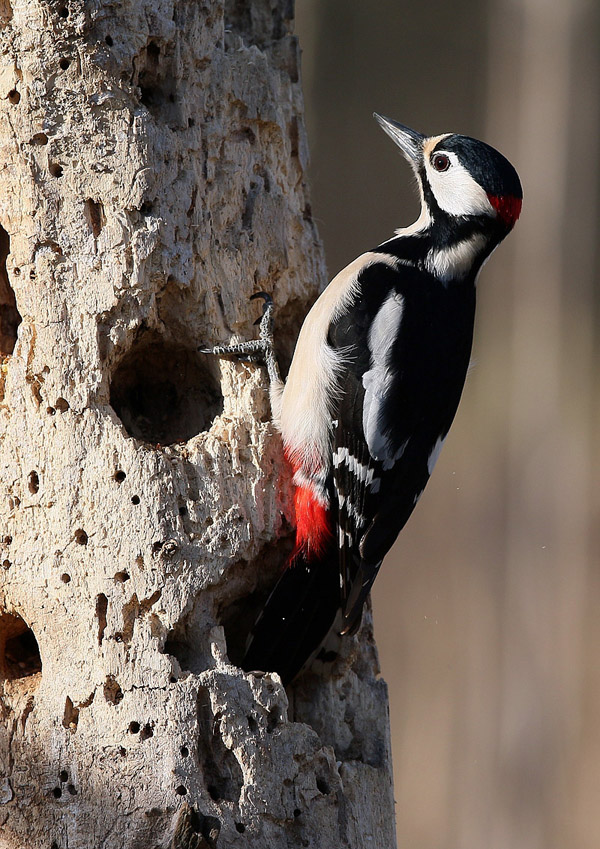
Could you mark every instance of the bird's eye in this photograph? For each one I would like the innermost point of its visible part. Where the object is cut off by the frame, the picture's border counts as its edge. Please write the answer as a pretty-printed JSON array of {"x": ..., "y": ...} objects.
[{"x": 440, "y": 162}]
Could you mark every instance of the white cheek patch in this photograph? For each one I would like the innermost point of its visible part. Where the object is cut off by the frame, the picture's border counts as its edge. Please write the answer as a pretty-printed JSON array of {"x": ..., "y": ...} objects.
[{"x": 455, "y": 191}]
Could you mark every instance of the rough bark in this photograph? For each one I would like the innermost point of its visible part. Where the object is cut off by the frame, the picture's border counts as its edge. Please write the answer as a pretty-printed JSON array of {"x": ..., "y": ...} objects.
[{"x": 153, "y": 177}]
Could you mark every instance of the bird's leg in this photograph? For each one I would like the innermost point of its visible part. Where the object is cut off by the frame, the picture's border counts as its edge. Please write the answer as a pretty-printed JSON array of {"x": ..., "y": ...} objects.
[{"x": 255, "y": 350}]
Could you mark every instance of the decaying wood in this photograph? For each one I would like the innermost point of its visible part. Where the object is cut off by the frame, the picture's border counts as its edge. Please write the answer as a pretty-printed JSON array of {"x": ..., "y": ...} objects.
[{"x": 152, "y": 178}]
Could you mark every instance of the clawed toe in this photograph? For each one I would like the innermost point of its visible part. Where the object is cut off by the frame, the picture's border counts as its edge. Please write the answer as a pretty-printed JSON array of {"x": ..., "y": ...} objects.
[{"x": 256, "y": 350}]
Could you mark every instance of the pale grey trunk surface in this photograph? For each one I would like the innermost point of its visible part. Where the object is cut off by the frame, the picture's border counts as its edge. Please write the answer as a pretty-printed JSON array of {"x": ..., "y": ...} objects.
[{"x": 152, "y": 178}]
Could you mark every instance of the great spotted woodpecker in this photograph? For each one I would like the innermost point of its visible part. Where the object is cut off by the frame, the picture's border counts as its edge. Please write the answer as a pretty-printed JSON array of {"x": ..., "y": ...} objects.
[{"x": 372, "y": 390}]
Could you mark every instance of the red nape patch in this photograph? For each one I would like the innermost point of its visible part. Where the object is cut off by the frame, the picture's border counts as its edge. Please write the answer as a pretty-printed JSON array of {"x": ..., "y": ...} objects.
[
  {"x": 312, "y": 525},
  {"x": 507, "y": 207}
]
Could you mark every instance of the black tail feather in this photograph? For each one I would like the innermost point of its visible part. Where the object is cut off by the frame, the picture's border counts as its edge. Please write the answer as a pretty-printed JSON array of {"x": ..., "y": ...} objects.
[{"x": 296, "y": 617}]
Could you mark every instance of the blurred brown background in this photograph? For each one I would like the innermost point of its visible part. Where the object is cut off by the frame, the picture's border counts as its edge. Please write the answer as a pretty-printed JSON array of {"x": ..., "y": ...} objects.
[{"x": 487, "y": 609}]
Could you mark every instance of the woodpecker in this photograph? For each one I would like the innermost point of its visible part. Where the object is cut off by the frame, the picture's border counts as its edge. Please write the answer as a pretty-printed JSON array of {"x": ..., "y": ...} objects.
[{"x": 373, "y": 387}]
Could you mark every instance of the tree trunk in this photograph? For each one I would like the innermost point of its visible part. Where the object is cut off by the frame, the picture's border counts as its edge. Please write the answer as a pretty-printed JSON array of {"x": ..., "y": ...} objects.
[{"x": 153, "y": 178}]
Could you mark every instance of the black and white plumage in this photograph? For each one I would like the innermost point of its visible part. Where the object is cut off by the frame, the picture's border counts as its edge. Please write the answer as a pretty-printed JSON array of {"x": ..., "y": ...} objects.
[{"x": 373, "y": 388}]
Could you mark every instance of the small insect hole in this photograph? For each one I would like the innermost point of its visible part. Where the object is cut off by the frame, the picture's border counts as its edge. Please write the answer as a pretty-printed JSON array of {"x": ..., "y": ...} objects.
[
  {"x": 71, "y": 789},
  {"x": 181, "y": 790},
  {"x": 61, "y": 405},
  {"x": 51, "y": 411},
  {"x": 56, "y": 170},
  {"x": 108, "y": 40},
  {"x": 146, "y": 732},
  {"x": 39, "y": 138},
  {"x": 134, "y": 727},
  {"x": 184, "y": 751},
  {"x": 57, "y": 792},
  {"x": 121, "y": 577},
  {"x": 240, "y": 827},
  {"x": 119, "y": 476},
  {"x": 66, "y": 579},
  {"x": 64, "y": 11},
  {"x": 34, "y": 482},
  {"x": 14, "y": 96},
  {"x": 6, "y": 564},
  {"x": 135, "y": 499},
  {"x": 112, "y": 691},
  {"x": 64, "y": 64},
  {"x": 81, "y": 538},
  {"x": 323, "y": 787},
  {"x": 63, "y": 775}
]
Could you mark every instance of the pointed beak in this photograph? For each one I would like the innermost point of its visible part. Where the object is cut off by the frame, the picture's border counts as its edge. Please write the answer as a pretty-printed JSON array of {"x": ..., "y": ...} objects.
[{"x": 409, "y": 141}]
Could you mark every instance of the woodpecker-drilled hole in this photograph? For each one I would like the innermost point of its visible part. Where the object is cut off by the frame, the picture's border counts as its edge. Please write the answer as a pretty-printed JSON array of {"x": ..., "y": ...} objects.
[
  {"x": 147, "y": 731},
  {"x": 39, "y": 139},
  {"x": 101, "y": 609},
  {"x": 121, "y": 577},
  {"x": 273, "y": 720},
  {"x": 56, "y": 170},
  {"x": 134, "y": 727},
  {"x": 240, "y": 827},
  {"x": 65, "y": 578},
  {"x": 119, "y": 476},
  {"x": 323, "y": 787},
  {"x": 33, "y": 482},
  {"x": 19, "y": 651},
  {"x": 112, "y": 691},
  {"x": 81, "y": 538},
  {"x": 10, "y": 318},
  {"x": 94, "y": 215},
  {"x": 135, "y": 499},
  {"x": 238, "y": 616},
  {"x": 70, "y": 720},
  {"x": 14, "y": 96},
  {"x": 64, "y": 64},
  {"x": 108, "y": 40},
  {"x": 156, "y": 81},
  {"x": 64, "y": 11},
  {"x": 164, "y": 393}
]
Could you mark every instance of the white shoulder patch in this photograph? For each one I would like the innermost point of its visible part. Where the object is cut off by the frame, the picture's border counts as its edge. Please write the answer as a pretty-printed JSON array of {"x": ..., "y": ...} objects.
[
  {"x": 313, "y": 381},
  {"x": 378, "y": 379}
]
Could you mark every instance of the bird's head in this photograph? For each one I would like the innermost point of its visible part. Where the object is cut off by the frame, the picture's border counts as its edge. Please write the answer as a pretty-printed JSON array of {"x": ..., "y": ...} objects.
[{"x": 460, "y": 177}]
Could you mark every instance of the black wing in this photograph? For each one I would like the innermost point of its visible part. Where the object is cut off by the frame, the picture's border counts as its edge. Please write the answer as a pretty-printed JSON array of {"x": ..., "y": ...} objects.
[{"x": 407, "y": 342}]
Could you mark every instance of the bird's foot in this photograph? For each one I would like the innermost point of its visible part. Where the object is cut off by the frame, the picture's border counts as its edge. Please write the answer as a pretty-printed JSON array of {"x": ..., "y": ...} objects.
[{"x": 255, "y": 350}]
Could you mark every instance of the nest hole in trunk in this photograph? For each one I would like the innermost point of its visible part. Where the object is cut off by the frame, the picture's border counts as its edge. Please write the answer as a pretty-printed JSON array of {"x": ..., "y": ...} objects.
[{"x": 164, "y": 392}]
